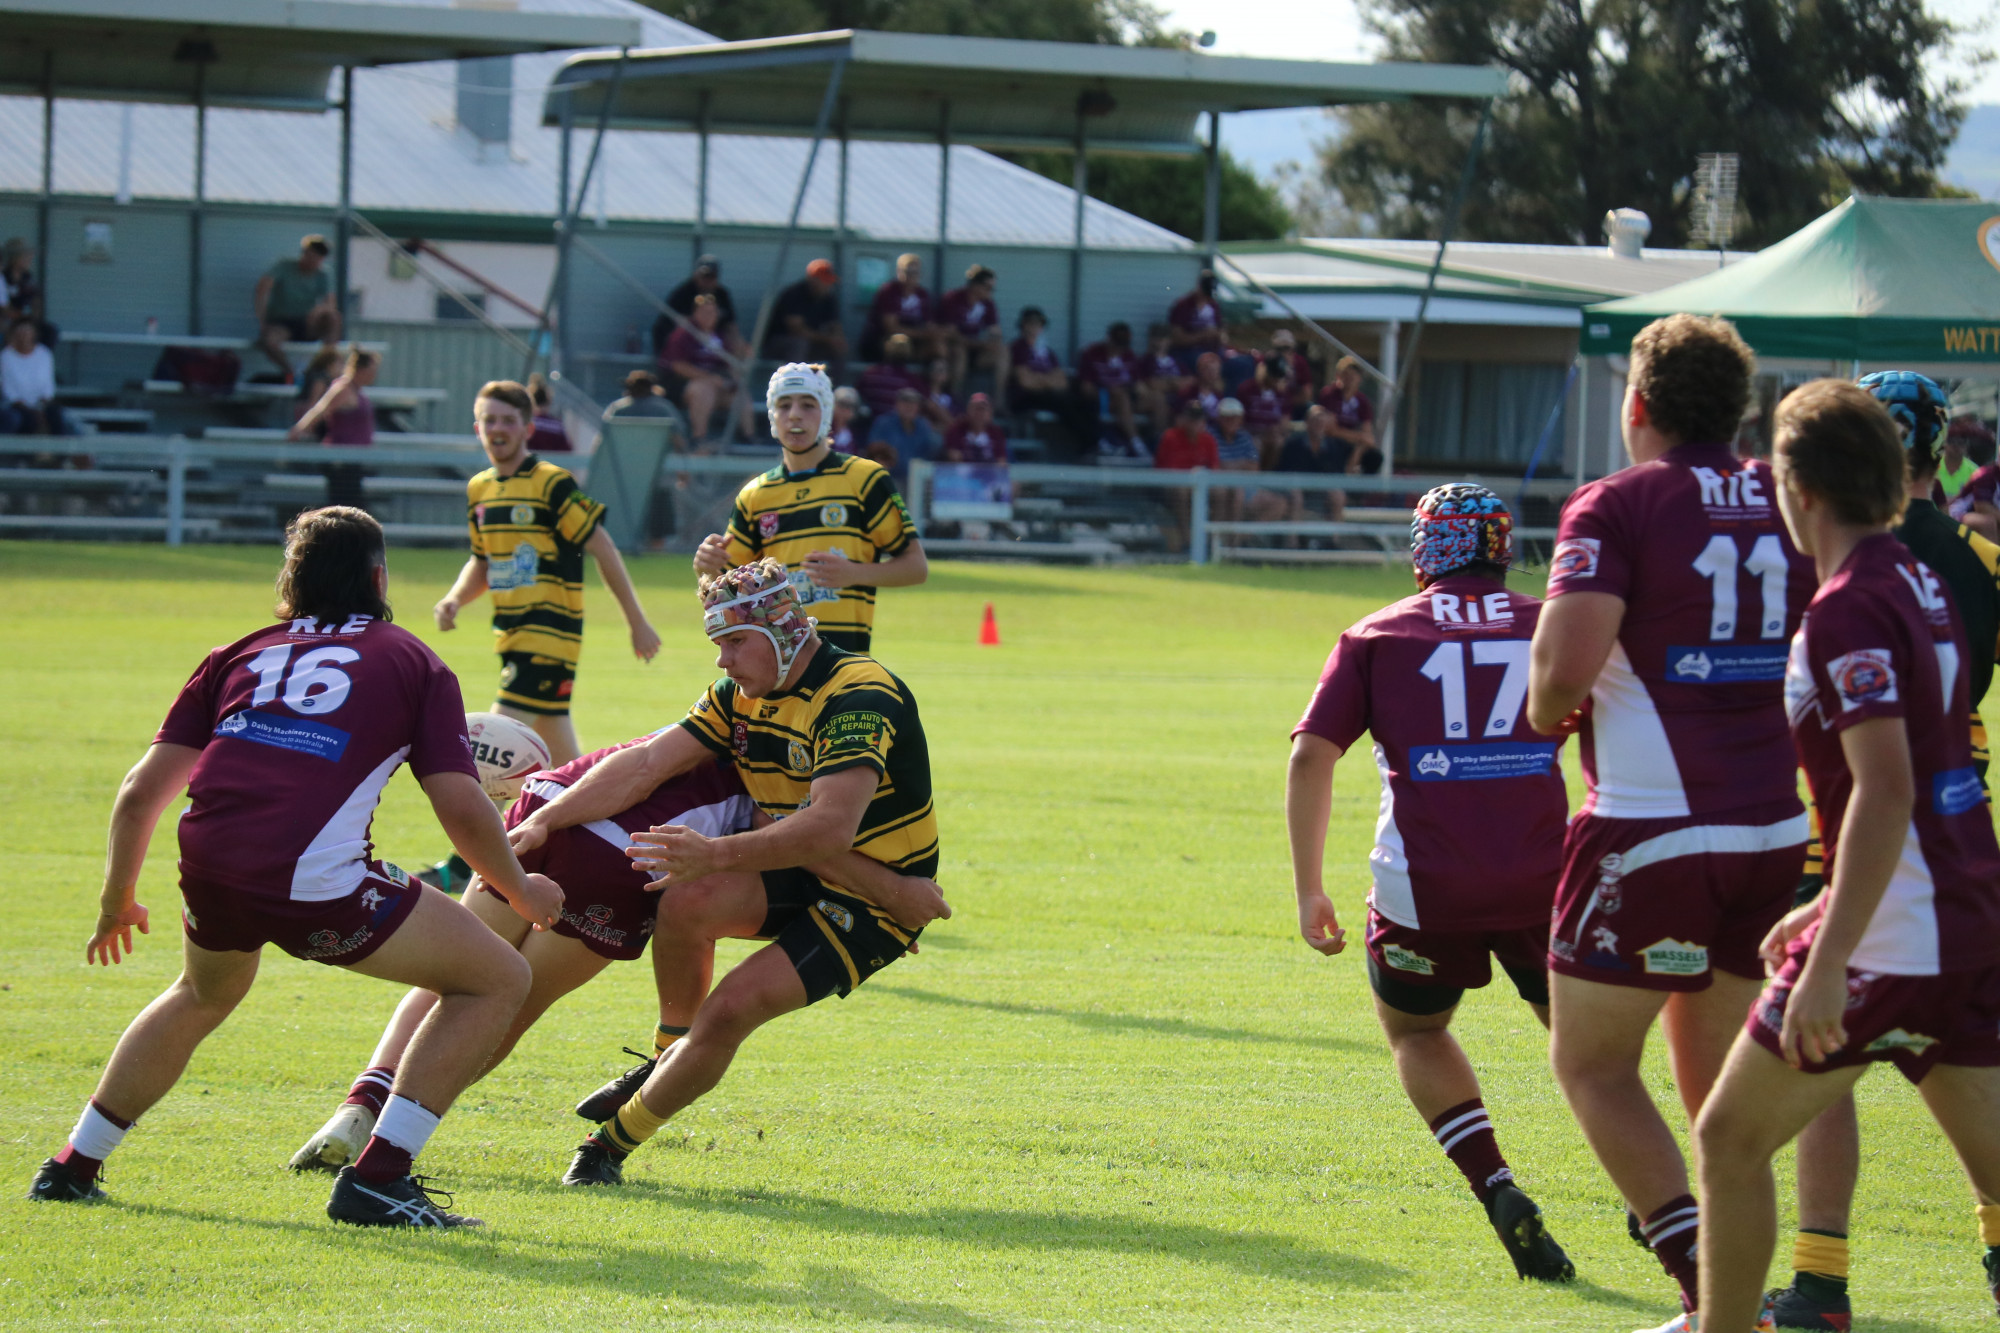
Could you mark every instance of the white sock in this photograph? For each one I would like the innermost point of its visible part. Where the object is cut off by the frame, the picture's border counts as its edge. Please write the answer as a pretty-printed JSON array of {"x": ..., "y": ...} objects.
[
  {"x": 406, "y": 1124},
  {"x": 95, "y": 1135}
]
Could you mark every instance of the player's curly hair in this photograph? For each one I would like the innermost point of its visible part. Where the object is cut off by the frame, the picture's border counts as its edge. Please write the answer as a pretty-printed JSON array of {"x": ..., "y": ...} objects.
[
  {"x": 330, "y": 556},
  {"x": 1695, "y": 374},
  {"x": 1837, "y": 442}
]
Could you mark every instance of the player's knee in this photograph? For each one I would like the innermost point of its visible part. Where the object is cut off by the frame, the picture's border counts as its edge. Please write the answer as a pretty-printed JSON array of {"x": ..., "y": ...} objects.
[
  {"x": 505, "y": 978},
  {"x": 1725, "y": 1135}
]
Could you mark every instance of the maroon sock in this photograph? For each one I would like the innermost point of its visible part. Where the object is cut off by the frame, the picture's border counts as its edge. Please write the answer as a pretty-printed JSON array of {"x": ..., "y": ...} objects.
[
  {"x": 81, "y": 1162},
  {"x": 85, "y": 1167},
  {"x": 382, "y": 1161},
  {"x": 1672, "y": 1230},
  {"x": 371, "y": 1089},
  {"x": 1466, "y": 1134}
]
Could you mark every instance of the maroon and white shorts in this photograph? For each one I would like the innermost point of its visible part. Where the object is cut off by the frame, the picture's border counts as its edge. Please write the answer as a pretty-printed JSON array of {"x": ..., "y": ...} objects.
[
  {"x": 1912, "y": 1022},
  {"x": 1659, "y": 903},
  {"x": 337, "y": 931},
  {"x": 1459, "y": 959}
]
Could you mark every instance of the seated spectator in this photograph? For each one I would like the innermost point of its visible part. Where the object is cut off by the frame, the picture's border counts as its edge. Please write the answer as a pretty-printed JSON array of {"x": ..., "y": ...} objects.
[
  {"x": 1184, "y": 446},
  {"x": 975, "y": 437},
  {"x": 902, "y": 305},
  {"x": 1111, "y": 368},
  {"x": 343, "y": 416},
  {"x": 846, "y": 402},
  {"x": 883, "y": 381},
  {"x": 321, "y": 371},
  {"x": 940, "y": 402},
  {"x": 698, "y": 371},
  {"x": 1285, "y": 346},
  {"x": 1265, "y": 397},
  {"x": 805, "y": 322},
  {"x": 24, "y": 293},
  {"x": 902, "y": 434},
  {"x": 1195, "y": 322},
  {"x": 644, "y": 397},
  {"x": 550, "y": 436},
  {"x": 1235, "y": 451},
  {"x": 706, "y": 280},
  {"x": 1206, "y": 388},
  {"x": 1159, "y": 379},
  {"x": 1312, "y": 450},
  {"x": 971, "y": 324},
  {"x": 1353, "y": 414},
  {"x": 28, "y": 385},
  {"x": 294, "y": 301},
  {"x": 1038, "y": 383}
]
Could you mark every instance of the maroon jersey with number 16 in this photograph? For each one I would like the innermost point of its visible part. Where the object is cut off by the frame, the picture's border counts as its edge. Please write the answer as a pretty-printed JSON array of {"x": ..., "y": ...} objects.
[{"x": 1471, "y": 828}]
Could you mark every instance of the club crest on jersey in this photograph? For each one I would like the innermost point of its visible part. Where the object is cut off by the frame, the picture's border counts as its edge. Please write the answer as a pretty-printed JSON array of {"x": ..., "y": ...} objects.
[
  {"x": 1675, "y": 958},
  {"x": 1575, "y": 558},
  {"x": 1403, "y": 960},
  {"x": 521, "y": 515},
  {"x": 796, "y": 758},
  {"x": 767, "y": 525},
  {"x": 1863, "y": 676},
  {"x": 1435, "y": 764},
  {"x": 739, "y": 739},
  {"x": 832, "y": 516},
  {"x": 1900, "y": 1039},
  {"x": 836, "y": 914}
]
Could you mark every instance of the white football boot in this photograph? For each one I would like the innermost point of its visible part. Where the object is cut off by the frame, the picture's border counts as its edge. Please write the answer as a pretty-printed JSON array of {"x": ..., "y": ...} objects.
[{"x": 338, "y": 1142}]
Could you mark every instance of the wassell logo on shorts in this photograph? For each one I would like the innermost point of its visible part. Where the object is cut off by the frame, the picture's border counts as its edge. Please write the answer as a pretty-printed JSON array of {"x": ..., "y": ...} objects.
[
  {"x": 1403, "y": 960},
  {"x": 1675, "y": 958},
  {"x": 1897, "y": 1039}
]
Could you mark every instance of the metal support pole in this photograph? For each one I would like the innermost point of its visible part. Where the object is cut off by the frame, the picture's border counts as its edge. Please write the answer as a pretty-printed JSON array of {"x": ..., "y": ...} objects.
[
  {"x": 1198, "y": 537},
  {"x": 944, "y": 194},
  {"x": 558, "y": 297},
  {"x": 43, "y": 208},
  {"x": 1582, "y": 415},
  {"x": 343, "y": 222},
  {"x": 840, "y": 199},
  {"x": 559, "y": 287},
  {"x": 1211, "y": 192},
  {"x": 177, "y": 465},
  {"x": 1079, "y": 184},
  {"x": 200, "y": 195},
  {"x": 826, "y": 104},
  {"x": 1391, "y": 356},
  {"x": 700, "y": 176}
]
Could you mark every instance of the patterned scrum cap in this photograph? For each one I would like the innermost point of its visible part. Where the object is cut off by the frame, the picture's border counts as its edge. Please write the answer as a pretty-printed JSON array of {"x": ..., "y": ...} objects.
[
  {"x": 1916, "y": 402},
  {"x": 800, "y": 377},
  {"x": 1456, "y": 525},
  {"x": 757, "y": 596}
]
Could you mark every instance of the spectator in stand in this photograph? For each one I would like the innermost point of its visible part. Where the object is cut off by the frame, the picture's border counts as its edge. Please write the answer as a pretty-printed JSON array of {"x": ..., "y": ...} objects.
[
  {"x": 902, "y": 434},
  {"x": 1159, "y": 378},
  {"x": 1185, "y": 445},
  {"x": 1110, "y": 369},
  {"x": 805, "y": 322},
  {"x": 550, "y": 436},
  {"x": 1195, "y": 322},
  {"x": 888, "y": 377},
  {"x": 643, "y": 398},
  {"x": 1285, "y": 346},
  {"x": 1353, "y": 414},
  {"x": 975, "y": 437},
  {"x": 846, "y": 402},
  {"x": 1235, "y": 451},
  {"x": 940, "y": 402},
  {"x": 28, "y": 385},
  {"x": 700, "y": 371},
  {"x": 344, "y": 418},
  {"x": 24, "y": 293},
  {"x": 1265, "y": 397},
  {"x": 321, "y": 371},
  {"x": 971, "y": 323},
  {"x": 1311, "y": 450},
  {"x": 706, "y": 280},
  {"x": 294, "y": 301},
  {"x": 1206, "y": 388},
  {"x": 1040, "y": 384},
  {"x": 902, "y": 305}
]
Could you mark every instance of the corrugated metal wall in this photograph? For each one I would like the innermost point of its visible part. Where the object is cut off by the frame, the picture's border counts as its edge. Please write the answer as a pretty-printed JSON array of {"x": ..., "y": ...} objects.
[{"x": 454, "y": 357}]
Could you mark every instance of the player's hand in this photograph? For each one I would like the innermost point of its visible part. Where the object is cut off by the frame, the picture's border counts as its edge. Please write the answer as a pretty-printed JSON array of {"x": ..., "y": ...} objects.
[
  {"x": 712, "y": 556},
  {"x": 645, "y": 641},
  {"x": 1779, "y": 941},
  {"x": 526, "y": 836},
  {"x": 1569, "y": 726},
  {"x": 1815, "y": 1027},
  {"x": 540, "y": 903},
  {"x": 673, "y": 854},
  {"x": 113, "y": 933},
  {"x": 1318, "y": 924},
  {"x": 916, "y": 903},
  {"x": 446, "y": 613},
  {"x": 831, "y": 569}
]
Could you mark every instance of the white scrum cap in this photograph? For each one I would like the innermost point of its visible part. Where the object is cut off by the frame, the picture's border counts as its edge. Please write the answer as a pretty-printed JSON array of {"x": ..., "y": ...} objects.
[{"x": 800, "y": 377}]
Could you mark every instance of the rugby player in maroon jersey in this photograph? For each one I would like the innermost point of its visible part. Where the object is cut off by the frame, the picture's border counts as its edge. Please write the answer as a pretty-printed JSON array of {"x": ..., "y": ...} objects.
[
  {"x": 284, "y": 741},
  {"x": 1469, "y": 844}
]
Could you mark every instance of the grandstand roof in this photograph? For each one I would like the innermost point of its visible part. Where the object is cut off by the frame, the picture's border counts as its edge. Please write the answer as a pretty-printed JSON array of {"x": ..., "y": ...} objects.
[
  {"x": 410, "y": 157},
  {"x": 1001, "y": 93},
  {"x": 272, "y": 53}
]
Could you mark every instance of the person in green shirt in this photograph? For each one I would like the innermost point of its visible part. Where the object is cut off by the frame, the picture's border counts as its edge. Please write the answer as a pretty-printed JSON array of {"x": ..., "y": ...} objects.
[{"x": 295, "y": 303}]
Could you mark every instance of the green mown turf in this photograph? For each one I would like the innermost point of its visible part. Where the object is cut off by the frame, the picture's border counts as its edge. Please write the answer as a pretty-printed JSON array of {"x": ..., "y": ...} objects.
[{"x": 1116, "y": 1091}]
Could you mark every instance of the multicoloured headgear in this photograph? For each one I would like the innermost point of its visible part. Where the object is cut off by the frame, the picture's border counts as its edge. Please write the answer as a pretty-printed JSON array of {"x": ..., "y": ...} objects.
[
  {"x": 1919, "y": 406},
  {"x": 800, "y": 377},
  {"x": 1456, "y": 525},
  {"x": 758, "y": 596}
]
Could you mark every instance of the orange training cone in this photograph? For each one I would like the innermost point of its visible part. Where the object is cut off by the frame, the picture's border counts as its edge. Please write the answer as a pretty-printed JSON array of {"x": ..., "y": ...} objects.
[{"x": 989, "y": 628}]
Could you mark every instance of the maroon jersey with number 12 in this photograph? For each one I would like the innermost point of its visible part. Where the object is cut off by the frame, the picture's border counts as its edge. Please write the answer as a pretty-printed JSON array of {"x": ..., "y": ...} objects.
[{"x": 1470, "y": 834}]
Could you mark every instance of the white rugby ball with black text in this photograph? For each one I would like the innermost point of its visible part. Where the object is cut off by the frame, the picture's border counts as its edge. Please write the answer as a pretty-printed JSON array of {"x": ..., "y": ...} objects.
[{"x": 505, "y": 752}]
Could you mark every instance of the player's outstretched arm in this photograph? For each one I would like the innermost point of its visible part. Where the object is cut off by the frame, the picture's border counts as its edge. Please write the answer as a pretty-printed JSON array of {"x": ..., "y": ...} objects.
[
  {"x": 470, "y": 583},
  {"x": 473, "y": 825},
  {"x": 1308, "y": 802},
  {"x": 616, "y": 783},
  {"x": 144, "y": 794},
  {"x": 611, "y": 568},
  {"x": 821, "y": 830},
  {"x": 1573, "y": 638}
]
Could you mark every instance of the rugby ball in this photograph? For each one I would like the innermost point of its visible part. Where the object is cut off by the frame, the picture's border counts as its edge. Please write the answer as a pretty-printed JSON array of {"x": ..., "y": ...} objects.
[{"x": 505, "y": 752}]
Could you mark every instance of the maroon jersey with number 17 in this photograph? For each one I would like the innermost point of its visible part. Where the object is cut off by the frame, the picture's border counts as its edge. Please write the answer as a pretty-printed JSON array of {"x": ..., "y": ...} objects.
[
  {"x": 301, "y": 725},
  {"x": 1470, "y": 834}
]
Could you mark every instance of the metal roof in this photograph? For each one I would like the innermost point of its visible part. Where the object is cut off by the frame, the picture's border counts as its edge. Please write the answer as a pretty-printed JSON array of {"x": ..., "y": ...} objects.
[
  {"x": 996, "y": 92},
  {"x": 1569, "y": 275},
  {"x": 266, "y": 53},
  {"x": 410, "y": 157}
]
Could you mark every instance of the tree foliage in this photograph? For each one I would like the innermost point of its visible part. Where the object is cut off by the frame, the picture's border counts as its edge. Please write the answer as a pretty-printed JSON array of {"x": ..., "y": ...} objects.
[{"x": 1610, "y": 102}]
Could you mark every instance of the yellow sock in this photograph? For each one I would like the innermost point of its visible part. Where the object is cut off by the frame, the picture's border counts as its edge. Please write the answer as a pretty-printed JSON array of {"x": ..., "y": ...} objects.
[
  {"x": 664, "y": 1037},
  {"x": 633, "y": 1125},
  {"x": 1815, "y": 1252},
  {"x": 1989, "y": 1223}
]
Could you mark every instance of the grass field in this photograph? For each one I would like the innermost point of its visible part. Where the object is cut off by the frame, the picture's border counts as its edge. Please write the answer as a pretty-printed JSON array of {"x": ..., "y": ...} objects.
[{"x": 1115, "y": 1091}]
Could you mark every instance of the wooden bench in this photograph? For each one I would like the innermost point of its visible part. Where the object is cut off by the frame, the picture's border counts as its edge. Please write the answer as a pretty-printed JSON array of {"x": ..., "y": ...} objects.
[
  {"x": 411, "y": 438},
  {"x": 384, "y": 486},
  {"x": 65, "y": 479},
  {"x": 134, "y": 420},
  {"x": 193, "y": 527}
]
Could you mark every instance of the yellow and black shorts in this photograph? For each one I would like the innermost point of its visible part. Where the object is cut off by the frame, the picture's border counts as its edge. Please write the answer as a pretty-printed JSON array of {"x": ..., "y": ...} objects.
[
  {"x": 536, "y": 684},
  {"x": 835, "y": 941}
]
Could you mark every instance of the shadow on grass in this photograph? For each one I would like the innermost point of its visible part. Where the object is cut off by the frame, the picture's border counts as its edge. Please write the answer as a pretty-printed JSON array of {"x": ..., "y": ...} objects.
[{"x": 1132, "y": 1023}]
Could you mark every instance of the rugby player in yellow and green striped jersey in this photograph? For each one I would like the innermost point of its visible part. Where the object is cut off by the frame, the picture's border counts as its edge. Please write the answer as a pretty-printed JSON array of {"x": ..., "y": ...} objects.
[
  {"x": 837, "y": 877},
  {"x": 834, "y": 520},
  {"x": 531, "y": 526}
]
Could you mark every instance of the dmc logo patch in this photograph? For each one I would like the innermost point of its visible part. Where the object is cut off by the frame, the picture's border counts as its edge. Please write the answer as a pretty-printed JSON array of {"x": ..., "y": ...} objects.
[
  {"x": 1576, "y": 558},
  {"x": 1436, "y": 762},
  {"x": 1403, "y": 960},
  {"x": 1675, "y": 958},
  {"x": 232, "y": 724},
  {"x": 837, "y": 914},
  {"x": 1695, "y": 664},
  {"x": 832, "y": 516},
  {"x": 767, "y": 525},
  {"x": 1898, "y": 1039},
  {"x": 1863, "y": 676}
]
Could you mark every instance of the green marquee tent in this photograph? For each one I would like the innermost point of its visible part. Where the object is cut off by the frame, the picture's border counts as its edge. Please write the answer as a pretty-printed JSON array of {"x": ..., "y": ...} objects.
[{"x": 1874, "y": 280}]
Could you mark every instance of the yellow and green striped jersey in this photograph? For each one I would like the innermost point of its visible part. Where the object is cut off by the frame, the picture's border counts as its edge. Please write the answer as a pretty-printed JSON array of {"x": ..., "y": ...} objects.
[
  {"x": 530, "y": 528},
  {"x": 846, "y": 504},
  {"x": 846, "y": 711}
]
